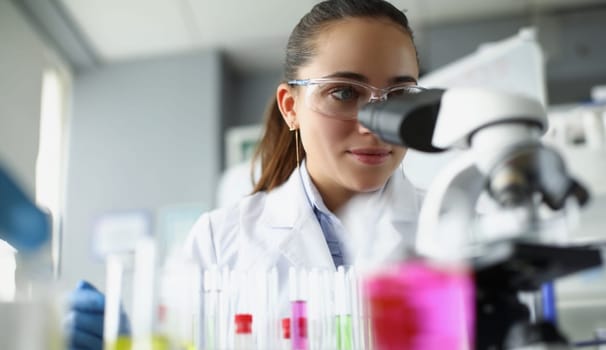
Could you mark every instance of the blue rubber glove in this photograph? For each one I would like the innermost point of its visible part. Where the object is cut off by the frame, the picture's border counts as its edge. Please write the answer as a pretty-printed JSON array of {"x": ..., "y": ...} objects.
[
  {"x": 84, "y": 322},
  {"x": 22, "y": 223}
]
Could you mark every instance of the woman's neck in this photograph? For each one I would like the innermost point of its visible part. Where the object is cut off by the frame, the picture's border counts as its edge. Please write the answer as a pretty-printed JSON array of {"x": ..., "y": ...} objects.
[{"x": 334, "y": 197}]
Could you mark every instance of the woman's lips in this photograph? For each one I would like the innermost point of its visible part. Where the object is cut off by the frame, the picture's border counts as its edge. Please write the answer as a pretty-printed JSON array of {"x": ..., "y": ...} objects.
[{"x": 370, "y": 156}]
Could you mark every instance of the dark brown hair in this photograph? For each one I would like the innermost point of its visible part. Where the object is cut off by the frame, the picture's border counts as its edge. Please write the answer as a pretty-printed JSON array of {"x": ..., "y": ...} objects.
[{"x": 277, "y": 148}]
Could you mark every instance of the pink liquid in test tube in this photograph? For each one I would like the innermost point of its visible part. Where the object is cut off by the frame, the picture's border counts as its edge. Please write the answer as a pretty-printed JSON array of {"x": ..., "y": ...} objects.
[
  {"x": 418, "y": 306},
  {"x": 299, "y": 325}
]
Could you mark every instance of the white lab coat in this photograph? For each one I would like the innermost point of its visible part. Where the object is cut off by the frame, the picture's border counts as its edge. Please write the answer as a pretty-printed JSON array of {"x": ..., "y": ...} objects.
[{"x": 278, "y": 228}]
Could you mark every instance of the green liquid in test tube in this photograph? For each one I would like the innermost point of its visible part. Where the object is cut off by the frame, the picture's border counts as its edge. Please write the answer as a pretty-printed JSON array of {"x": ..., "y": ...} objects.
[
  {"x": 344, "y": 332},
  {"x": 343, "y": 318},
  {"x": 158, "y": 342}
]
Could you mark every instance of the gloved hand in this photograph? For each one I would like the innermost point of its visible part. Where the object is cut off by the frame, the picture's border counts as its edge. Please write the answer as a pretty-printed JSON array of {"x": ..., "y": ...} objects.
[{"x": 84, "y": 322}]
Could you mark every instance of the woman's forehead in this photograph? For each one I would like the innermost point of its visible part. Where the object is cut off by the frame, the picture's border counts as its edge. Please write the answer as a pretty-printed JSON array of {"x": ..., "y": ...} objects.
[{"x": 378, "y": 49}]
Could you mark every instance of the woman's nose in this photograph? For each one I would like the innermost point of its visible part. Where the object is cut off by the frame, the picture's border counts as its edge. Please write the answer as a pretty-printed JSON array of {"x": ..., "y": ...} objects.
[{"x": 362, "y": 129}]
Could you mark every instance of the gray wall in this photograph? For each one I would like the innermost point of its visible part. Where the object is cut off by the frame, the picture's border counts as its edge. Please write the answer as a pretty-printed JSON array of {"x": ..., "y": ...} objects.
[
  {"x": 22, "y": 62},
  {"x": 577, "y": 59},
  {"x": 573, "y": 43},
  {"x": 253, "y": 91},
  {"x": 144, "y": 135}
]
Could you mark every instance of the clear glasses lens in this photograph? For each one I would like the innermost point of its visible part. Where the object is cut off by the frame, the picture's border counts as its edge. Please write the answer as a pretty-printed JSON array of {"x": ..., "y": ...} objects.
[{"x": 343, "y": 100}]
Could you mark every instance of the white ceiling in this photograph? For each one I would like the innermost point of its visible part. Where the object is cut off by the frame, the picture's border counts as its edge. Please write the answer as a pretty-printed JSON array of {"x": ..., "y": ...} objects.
[{"x": 252, "y": 32}]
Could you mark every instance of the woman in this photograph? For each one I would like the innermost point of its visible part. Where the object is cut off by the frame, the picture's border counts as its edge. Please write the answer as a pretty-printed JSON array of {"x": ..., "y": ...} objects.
[{"x": 330, "y": 192}]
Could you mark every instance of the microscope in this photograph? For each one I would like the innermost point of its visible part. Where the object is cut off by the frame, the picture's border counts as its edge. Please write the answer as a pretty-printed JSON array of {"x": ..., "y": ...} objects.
[{"x": 514, "y": 247}]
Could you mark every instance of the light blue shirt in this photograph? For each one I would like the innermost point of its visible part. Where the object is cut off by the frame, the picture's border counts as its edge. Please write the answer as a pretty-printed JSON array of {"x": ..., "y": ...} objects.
[{"x": 330, "y": 224}]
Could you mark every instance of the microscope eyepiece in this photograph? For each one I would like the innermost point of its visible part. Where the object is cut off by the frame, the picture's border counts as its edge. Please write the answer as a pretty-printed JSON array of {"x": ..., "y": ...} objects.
[{"x": 408, "y": 120}]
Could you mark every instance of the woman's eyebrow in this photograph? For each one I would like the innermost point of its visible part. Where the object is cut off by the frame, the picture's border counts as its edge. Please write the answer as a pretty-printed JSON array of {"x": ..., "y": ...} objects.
[
  {"x": 403, "y": 79},
  {"x": 359, "y": 77},
  {"x": 348, "y": 75}
]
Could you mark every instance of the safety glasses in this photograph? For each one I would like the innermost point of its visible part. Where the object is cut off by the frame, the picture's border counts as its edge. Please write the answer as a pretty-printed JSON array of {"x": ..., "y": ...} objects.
[{"x": 342, "y": 98}]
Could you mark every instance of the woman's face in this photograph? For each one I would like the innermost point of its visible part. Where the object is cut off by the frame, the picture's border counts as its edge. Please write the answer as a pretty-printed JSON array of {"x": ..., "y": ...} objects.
[{"x": 341, "y": 154}]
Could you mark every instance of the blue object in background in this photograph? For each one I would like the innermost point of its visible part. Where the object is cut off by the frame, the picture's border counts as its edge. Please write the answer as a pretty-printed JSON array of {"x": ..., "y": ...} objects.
[
  {"x": 84, "y": 323},
  {"x": 548, "y": 299},
  {"x": 22, "y": 224}
]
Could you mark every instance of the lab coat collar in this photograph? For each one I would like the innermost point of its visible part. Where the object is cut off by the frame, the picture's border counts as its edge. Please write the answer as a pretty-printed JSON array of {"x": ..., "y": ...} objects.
[
  {"x": 292, "y": 225},
  {"x": 314, "y": 197},
  {"x": 286, "y": 204},
  {"x": 293, "y": 229}
]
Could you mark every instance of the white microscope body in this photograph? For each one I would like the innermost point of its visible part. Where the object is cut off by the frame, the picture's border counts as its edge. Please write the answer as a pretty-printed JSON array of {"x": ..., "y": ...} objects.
[
  {"x": 504, "y": 158},
  {"x": 490, "y": 126}
]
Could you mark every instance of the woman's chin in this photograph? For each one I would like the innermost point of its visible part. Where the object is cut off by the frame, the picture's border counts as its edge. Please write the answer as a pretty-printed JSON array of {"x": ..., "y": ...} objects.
[{"x": 365, "y": 186}]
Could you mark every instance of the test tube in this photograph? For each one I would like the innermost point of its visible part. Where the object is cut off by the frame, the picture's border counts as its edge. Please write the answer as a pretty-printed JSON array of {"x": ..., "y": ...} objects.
[
  {"x": 180, "y": 301},
  {"x": 355, "y": 307},
  {"x": 243, "y": 338},
  {"x": 411, "y": 289},
  {"x": 298, "y": 310},
  {"x": 328, "y": 307},
  {"x": 314, "y": 310},
  {"x": 285, "y": 343},
  {"x": 114, "y": 275},
  {"x": 148, "y": 320},
  {"x": 259, "y": 307},
  {"x": 116, "y": 237},
  {"x": 343, "y": 311},
  {"x": 272, "y": 309},
  {"x": 224, "y": 309},
  {"x": 211, "y": 308}
]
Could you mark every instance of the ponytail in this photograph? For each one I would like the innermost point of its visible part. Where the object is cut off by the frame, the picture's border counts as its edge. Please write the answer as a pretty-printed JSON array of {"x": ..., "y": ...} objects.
[{"x": 277, "y": 151}]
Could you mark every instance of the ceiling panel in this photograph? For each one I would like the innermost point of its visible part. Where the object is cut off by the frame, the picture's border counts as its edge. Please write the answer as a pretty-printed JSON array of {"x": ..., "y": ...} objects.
[
  {"x": 121, "y": 29},
  {"x": 229, "y": 21},
  {"x": 253, "y": 32}
]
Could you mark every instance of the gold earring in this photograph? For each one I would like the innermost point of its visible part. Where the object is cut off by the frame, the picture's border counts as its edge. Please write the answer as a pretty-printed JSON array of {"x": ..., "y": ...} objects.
[
  {"x": 292, "y": 127},
  {"x": 297, "y": 146}
]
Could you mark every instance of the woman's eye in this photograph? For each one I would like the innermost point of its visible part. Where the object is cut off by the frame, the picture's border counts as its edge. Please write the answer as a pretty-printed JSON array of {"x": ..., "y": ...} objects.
[
  {"x": 403, "y": 91},
  {"x": 399, "y": 91},
  {"x": 396, "y": 93},
  {"x": 344, "y": 93}
]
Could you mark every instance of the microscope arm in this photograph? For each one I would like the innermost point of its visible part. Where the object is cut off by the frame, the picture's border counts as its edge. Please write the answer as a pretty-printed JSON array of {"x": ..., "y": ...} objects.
[{"x": 448, "y": 210}]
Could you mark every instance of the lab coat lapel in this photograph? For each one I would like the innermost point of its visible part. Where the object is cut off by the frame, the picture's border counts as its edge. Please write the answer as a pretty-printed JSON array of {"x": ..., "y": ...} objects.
[
  {"x": 386, "y": 231},
  {"x": 401, "y": 215},
  {"x": 290, "y": 227}
]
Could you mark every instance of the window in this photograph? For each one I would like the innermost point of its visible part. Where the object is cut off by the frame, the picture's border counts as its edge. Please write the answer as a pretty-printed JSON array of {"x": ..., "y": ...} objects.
[
  {"x": 49, "y": 171},
  {"x": 50, "y": 164}
]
